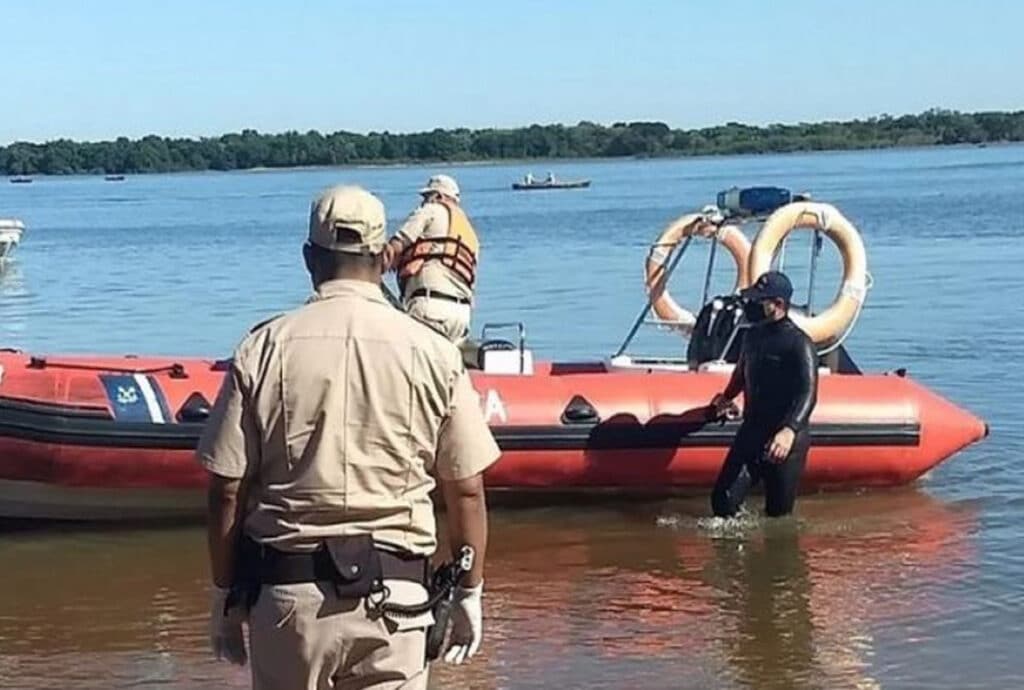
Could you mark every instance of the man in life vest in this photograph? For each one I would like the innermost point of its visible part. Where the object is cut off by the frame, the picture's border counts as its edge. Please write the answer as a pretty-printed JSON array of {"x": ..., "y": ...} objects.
[{"x": 435, "y": 255}]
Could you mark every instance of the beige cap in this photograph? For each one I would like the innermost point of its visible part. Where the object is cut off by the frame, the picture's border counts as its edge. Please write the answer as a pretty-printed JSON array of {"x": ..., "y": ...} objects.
[
  {"x": 351, "y": 208},
  {"x": 443, "y": 184}
]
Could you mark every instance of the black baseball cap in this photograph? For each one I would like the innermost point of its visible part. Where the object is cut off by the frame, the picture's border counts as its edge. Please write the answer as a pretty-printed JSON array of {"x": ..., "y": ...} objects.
[{"x": 771, "y": 285}]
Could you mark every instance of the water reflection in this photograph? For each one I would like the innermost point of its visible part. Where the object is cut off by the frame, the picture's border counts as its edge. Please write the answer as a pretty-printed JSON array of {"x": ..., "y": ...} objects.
[
  {"x": 639, "y": 596},
  {"x": 12, "y": 280},
  {"x": 14, "y": 294},
  {"x": 788, "y": 604},
  {"x": 765, "y": 587}
]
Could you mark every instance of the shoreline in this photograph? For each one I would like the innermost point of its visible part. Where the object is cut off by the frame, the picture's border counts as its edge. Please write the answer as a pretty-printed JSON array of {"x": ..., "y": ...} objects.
[{"x": 494, "y": 162}]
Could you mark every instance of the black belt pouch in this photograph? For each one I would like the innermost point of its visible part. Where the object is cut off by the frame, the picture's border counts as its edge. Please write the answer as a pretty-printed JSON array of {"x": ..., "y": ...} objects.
[{"x": 357, "y": 565}]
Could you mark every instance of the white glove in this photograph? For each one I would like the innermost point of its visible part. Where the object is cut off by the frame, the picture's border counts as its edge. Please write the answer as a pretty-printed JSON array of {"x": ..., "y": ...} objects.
[
  {"x": 467, "y": 624},
  {"x": 226, "y": 638}
]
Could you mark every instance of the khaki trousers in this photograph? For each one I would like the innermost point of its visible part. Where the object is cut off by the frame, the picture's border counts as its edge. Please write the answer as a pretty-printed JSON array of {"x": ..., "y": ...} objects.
[
  {"x": 451, "y": 319},
  {"x": 303, "y": 637}
]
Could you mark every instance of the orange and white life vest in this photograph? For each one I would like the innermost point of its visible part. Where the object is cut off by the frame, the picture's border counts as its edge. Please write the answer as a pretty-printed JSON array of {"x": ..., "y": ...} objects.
[{"x": 458, "y": 250}]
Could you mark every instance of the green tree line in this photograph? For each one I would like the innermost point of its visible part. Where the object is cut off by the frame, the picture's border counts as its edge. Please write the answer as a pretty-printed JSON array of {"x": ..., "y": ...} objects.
[{"x": 250, "y": 149}]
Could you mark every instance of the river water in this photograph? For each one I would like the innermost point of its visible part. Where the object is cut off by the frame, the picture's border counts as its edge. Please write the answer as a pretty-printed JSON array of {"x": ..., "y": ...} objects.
[{"x": 918, "y": 587}]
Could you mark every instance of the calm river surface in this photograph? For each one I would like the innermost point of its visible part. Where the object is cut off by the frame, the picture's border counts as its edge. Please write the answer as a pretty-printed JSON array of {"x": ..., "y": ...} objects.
[{"x": 921, "y": 587}]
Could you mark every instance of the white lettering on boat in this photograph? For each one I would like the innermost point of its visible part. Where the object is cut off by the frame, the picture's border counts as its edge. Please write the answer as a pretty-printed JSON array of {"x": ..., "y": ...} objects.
[{"x": 492, "y": 406}]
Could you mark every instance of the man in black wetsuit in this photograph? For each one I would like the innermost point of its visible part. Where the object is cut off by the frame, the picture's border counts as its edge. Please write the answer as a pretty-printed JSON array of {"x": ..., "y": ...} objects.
[{"x": 778, "y": 374}]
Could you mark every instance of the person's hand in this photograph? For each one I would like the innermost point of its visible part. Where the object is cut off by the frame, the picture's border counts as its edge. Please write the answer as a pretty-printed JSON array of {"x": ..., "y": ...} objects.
[
  {"x": 781, "y": 444},
  {"x": 389, "y": 256},
  {"x": 724, "y": 407},
  {"x": 467, "y": 624},
  {"x": 226, "y": 639}
]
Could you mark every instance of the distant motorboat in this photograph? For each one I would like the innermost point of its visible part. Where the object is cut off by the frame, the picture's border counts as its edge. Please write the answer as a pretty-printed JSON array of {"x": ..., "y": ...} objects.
[
  {"x": 114, "y": 178},
  {"x": 550, "y": 184},
  {"x": 21, "y": 180},
  {"x": 11, "y": 230}
]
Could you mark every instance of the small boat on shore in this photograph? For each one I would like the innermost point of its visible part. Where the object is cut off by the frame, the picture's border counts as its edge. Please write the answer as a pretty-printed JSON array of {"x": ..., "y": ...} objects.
[
  {"x": 529, "y": 183},
  {"x": 11, "y": 230},
  {"x": 113, "y": 437}
]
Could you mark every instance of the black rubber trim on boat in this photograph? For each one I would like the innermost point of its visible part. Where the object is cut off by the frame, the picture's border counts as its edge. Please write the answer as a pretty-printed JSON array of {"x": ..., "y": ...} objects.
[
  {"x": 47, "y": 423},
  {"x": 79, "y": 429},
  {"x": 53, "y": 409},
  {"x": 619, "y": 436}
]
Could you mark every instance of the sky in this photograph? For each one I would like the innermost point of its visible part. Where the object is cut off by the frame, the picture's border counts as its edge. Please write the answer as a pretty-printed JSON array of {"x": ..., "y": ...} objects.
[{"x": 102, "y": 69}]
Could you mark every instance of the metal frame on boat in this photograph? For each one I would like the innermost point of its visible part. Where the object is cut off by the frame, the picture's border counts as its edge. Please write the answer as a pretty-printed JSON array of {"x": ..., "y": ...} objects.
[
  {"x": 719, "y": 215},
  {"x": 725, "y": 212}
]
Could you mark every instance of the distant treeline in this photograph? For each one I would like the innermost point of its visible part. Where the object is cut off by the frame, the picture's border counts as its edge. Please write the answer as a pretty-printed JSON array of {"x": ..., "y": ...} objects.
[{"x": 250, "y": 149}]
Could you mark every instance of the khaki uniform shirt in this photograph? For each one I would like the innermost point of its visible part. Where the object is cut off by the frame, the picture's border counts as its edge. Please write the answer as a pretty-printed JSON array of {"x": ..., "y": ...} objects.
[
  {"x": 427, "y": 222},
  {"x": 338, "y": 412}
]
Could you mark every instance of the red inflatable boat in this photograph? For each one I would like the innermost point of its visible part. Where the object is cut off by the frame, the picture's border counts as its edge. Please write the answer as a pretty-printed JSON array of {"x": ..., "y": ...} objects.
[
  {"x": 113, "y": 438},
  {"x": 94, "y": 438}
]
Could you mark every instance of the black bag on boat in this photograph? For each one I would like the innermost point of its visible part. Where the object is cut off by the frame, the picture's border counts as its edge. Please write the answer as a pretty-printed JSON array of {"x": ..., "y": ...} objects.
[{"x": 715, "y": 324}]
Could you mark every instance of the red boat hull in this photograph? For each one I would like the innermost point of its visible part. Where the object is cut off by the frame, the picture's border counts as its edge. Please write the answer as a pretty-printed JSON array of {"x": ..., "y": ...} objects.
[{"x": 102, "y": 437}]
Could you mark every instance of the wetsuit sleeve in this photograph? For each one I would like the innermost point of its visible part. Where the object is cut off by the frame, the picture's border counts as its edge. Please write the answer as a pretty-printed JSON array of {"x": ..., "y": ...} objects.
[
  {"x": 805, "y": 374},
  {"x": 736, "y": 381}
]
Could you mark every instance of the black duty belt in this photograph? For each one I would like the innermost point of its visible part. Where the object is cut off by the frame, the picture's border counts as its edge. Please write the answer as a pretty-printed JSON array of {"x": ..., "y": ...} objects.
[
  {"x": 283, "y": 568},
  {"x": 434, "y": 294}
]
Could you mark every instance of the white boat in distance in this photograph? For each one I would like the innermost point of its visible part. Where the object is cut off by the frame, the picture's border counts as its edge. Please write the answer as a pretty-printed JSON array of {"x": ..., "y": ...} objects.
[{"x": 11, "y": 230}]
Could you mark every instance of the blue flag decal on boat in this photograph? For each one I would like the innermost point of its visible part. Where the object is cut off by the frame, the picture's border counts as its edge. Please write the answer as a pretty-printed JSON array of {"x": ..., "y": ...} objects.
[{"x": 135, "y": 398}]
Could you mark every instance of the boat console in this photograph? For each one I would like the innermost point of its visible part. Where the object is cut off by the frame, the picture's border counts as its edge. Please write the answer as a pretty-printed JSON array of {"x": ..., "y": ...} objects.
[{"x": 498, "y": 356}]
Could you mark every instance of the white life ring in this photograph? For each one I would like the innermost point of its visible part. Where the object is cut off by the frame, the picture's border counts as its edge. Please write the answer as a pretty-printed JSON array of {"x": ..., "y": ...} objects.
[
  {"x": 655, "y": 278},
  {"x": 833, "y": 323}
]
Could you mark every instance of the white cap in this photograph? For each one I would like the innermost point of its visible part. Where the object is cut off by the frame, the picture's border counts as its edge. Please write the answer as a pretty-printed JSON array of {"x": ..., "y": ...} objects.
[
  {"x": 442, "y": 184},
  {"x": 348, "y": 208}
]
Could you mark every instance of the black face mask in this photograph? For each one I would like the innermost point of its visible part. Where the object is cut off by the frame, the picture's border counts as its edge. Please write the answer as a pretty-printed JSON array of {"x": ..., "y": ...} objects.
[{"x": 754, "y": 312}]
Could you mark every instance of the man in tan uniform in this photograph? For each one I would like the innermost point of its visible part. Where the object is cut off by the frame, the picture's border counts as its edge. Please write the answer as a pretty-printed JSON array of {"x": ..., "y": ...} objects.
[
  {"x": 322, "y": 449},
  {"x": 435, "y": 255}
]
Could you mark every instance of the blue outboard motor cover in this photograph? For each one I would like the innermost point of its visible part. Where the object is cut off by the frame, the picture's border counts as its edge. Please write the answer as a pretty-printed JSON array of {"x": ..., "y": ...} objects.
[{"x": 753, "y": 201}]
